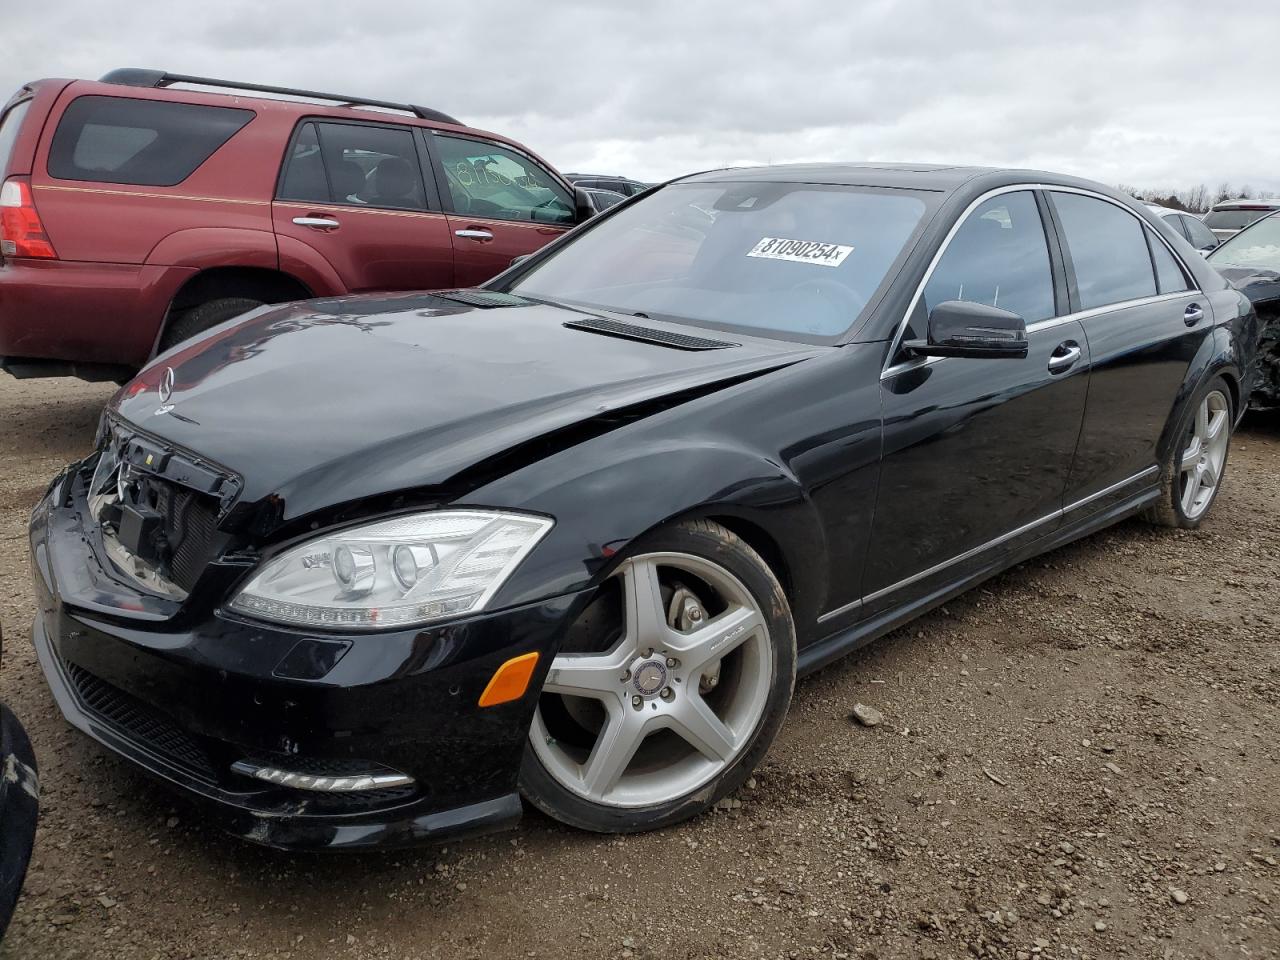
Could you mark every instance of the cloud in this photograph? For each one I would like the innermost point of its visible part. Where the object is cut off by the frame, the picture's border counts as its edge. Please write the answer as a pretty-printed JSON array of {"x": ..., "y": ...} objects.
[{"x": 1159, "y": 93}]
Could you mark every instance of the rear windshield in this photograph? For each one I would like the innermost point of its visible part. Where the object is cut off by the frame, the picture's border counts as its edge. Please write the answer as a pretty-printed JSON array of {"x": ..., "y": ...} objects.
[
  {"x": 155, "y": 143},
  {"x": 9, "y": 127},
  {"x": 797, "y": 260},
  {"x": 1232, "y": 219}
]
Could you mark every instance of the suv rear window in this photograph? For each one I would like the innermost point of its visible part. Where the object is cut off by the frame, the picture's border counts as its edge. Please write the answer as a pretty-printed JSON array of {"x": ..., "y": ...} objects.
[
  {"x": 1233, "y": 219},
  {"x": 156, "y": 143},
  {"x": 9, "y": 127}
]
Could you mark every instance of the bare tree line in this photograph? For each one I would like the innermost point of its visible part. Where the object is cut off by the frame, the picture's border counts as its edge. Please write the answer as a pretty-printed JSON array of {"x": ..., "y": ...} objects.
[{"x": 1198, "y": 199}]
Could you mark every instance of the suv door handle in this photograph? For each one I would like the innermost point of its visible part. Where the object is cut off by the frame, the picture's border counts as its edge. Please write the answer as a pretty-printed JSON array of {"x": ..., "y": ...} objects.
[
  {"x": 1064, "y": 357},
  {"x": 317, "y": 223},
  {"x": 474, "y": 234},
  {"x": 1193, "y": 315}
]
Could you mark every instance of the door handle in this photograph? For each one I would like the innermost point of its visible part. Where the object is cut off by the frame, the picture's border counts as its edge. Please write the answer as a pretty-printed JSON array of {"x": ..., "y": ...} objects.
[
  {"x": 1064, "y": 357},
  {"x": 474, "y": 234},
  {"x": 317, "y": 223},
  {"x": 1193, "y": 315}
]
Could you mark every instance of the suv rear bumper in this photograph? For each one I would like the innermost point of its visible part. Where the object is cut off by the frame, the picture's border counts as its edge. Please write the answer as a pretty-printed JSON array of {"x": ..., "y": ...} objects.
[{"x": 74, "y": 313}]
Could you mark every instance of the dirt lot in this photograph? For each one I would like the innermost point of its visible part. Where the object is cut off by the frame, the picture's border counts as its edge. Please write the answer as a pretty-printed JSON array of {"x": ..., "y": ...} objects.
[{"x": 1081, "y": 759}]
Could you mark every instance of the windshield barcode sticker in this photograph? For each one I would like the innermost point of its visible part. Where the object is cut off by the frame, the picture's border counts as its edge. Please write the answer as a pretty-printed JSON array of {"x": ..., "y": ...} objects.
[{"x": 801, "y": 251}]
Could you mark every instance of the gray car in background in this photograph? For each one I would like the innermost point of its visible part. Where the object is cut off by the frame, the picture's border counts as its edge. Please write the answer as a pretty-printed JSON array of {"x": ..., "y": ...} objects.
[
  {"x": 595, "y": 181},
  {"x": 1228, "y": 218}
]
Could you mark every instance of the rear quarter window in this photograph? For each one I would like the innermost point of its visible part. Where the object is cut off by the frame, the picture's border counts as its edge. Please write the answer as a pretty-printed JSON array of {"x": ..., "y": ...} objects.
[
  {"x": 155, "y": 143},
  {"x": 10, "y": 124}
]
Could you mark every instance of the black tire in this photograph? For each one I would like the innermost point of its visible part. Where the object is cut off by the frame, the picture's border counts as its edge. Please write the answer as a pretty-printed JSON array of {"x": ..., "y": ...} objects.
[
  {"x": 709, "y": 541},
  {"x": 188, "y": 323},
  {"x": 1168, "y": 511},
  {"x": 19, "y": 808}
]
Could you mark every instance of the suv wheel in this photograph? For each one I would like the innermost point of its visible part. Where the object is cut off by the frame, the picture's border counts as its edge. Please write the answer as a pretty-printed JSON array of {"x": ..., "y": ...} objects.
[{"x": 188, "y": 323}]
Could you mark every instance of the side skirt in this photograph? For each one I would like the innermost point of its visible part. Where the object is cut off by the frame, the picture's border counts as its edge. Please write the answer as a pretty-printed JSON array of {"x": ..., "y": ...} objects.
[{"x": 817, "y": 655}]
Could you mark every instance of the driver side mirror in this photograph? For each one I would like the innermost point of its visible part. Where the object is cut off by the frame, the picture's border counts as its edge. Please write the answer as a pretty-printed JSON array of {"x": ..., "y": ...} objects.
[
  {"x": 958, "y": 328},
  {"x": 583, "y": 208}
]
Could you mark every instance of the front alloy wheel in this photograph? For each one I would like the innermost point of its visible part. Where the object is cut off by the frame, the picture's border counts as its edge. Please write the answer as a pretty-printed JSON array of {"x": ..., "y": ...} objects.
[
  {"x": 1205, "y": 454},
  {"x": 1193, "y": 471},
  {"x": 668, "y": 690}
]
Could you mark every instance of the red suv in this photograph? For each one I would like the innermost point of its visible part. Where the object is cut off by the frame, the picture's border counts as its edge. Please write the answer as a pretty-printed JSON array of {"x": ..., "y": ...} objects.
[{"x": 134, "y": 214}]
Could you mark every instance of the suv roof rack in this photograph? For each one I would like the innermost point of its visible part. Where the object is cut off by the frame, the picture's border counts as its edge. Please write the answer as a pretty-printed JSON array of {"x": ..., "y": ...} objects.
[{"x": 136, "y": 77}]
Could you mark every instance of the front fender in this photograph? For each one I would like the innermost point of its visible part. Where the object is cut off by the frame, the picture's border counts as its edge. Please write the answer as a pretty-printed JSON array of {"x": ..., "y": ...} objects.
[
  {"x": 1221, "y": 354},
  {"x": 604, "y": 499}
]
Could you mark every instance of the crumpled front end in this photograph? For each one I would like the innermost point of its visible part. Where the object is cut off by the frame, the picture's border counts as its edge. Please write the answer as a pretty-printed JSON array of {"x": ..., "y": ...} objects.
[
  {"x": 294, "y": 738},
  {"x": 1266, "y": 364}
]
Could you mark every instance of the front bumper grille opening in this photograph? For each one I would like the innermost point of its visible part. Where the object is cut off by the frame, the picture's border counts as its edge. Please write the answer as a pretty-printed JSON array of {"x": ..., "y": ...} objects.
[{"x": 141, "y": 724}]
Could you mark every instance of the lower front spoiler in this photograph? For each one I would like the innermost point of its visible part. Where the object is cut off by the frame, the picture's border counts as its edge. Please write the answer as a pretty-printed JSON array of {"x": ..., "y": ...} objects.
[{"x": 293, "y": 828}]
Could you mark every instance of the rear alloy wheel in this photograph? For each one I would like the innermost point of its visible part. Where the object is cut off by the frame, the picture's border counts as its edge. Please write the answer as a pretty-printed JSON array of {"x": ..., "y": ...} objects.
[
  {"x": 685, "y": 680},
  {"x": 1199, "y": 461}
]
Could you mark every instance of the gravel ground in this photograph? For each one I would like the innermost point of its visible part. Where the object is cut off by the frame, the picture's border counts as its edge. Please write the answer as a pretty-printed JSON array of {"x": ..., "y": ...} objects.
[{"x": 1079, "y": 759}]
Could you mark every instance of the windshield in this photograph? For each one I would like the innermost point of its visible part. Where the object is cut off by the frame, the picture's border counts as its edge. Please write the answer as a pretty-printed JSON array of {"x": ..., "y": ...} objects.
[
  {"x": 1258, "y": 248},
  {"x": 797, "y": 260},
  {"x": 1233, "y": 219}
]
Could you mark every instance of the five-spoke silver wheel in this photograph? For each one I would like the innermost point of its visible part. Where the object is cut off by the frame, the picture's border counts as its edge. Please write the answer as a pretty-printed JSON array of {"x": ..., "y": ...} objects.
[
  {"x": 1205, "y": 454},
  {"x": 674, "y": 700}
]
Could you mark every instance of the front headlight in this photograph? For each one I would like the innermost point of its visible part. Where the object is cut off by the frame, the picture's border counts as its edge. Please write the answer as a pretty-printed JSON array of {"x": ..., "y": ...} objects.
[{"x": 394, "y": 573}]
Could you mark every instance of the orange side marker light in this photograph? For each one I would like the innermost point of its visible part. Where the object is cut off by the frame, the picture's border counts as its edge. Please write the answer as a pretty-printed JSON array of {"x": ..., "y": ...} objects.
[{"x": 510, "y": 680}]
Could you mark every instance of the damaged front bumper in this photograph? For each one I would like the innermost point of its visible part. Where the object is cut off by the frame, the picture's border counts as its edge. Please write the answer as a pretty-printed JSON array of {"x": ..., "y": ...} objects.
[{"x": 196, "y": 697}]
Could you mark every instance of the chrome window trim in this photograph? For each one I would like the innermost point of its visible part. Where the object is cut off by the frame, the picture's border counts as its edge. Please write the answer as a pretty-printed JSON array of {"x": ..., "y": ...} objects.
[
  {"x": 893, "y": 369},
  {"x": 990, "y": 544}
]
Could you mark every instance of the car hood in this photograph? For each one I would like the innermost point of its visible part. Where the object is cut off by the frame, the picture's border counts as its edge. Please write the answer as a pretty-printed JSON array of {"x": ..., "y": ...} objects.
[
  {"x": 331, "y": 401},
  {"x": 1259, "y": 285}
]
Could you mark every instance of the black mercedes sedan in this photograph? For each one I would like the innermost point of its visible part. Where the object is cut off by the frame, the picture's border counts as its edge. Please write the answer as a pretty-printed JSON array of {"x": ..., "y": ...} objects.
[{"x": 369, "y": 570}]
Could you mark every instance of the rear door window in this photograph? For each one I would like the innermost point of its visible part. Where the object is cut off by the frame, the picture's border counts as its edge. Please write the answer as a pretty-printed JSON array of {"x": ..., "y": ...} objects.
[
  {"x": 1199, "y": 235},
  {"x": 1108, "y": 250},
  {"x": 999, "y": 257},
  {"x": 1177, "y": 224},
  {"x": 157, "y": 143},
  {"x": 493, "y": 182},
  {"x": 354, "y": 163},
  {"x": 9, "y": 127}
]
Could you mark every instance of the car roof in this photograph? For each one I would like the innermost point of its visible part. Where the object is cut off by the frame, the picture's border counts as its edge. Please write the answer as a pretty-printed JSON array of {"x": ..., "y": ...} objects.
[
  {"x": 1236, "y": 204},
  {"x": 1163, "y": 211},
  {"x": 942, "y": 178},
  {"x": 602, "y": 176},
  {"x": 294, "y": 104}
]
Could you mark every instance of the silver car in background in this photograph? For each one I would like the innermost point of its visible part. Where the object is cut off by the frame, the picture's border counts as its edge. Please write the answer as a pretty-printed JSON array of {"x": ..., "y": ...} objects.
[{"x": 1188, "y": 226}]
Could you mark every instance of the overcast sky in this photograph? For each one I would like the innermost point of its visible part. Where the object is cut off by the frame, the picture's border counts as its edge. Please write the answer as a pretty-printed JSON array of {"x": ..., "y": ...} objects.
[{"x": 1152, "y": 94}]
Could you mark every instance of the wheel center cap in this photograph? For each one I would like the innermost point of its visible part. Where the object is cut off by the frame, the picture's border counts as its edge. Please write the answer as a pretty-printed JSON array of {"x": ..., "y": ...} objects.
[{"x": 649, "y": 677}]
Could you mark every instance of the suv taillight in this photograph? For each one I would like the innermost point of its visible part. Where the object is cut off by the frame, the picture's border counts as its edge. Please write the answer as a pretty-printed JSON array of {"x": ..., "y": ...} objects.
[{"x": 21, "y": 232}]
